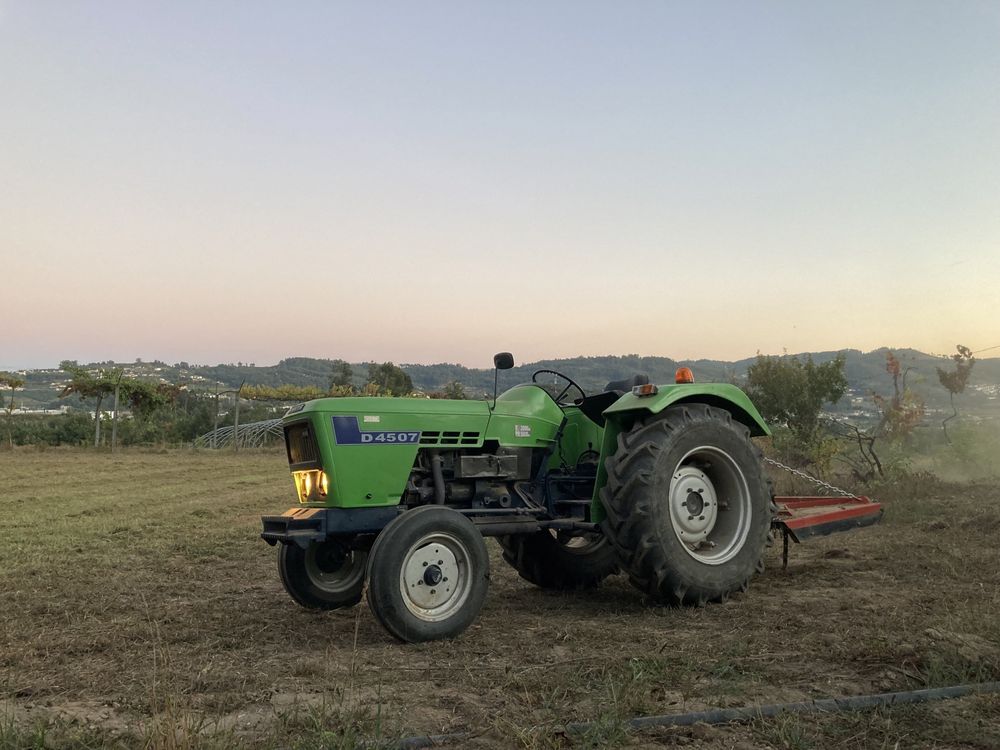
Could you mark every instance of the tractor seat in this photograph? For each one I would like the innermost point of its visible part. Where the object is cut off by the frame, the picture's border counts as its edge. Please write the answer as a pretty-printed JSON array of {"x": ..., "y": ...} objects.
[
  {"x": 624, "y": 386},
  {"x": 593, "y": 406}
]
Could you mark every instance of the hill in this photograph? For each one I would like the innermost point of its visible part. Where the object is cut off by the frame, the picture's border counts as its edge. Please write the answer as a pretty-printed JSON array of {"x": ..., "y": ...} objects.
[{"x": 865, "y": 374}]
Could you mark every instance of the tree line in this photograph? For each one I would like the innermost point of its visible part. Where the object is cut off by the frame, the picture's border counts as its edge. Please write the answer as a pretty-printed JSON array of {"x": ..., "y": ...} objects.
[
  {"x": 791, "y": 393},
  {"x": 129, "y": 410}
]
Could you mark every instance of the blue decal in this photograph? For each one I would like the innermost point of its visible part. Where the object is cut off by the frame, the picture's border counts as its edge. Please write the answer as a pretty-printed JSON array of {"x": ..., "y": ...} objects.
[{"x": 348, "y": 432}]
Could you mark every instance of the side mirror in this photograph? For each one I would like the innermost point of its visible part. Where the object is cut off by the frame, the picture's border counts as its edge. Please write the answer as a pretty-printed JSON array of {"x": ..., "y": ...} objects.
[{"x": 503, "y": 360}]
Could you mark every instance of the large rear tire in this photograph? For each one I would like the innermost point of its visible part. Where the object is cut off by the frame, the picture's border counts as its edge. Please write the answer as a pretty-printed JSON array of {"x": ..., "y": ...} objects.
[
  {"x": 556, "y": 561},
  {"x": 688, "y": 505},
  {"x": 428, "y": 573},
  {"x": 326, "y": 575}
]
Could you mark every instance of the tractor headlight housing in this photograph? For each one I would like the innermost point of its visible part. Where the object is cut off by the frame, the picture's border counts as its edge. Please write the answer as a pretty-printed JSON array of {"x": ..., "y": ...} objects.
[{"x": 312, "y": 486}]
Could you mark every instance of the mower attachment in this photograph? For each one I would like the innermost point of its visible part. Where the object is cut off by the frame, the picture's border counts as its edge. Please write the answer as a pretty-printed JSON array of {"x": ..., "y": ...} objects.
[{"x": 804, "y": 517}]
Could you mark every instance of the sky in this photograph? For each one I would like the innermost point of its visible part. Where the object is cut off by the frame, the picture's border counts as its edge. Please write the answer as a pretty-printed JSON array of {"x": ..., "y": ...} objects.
[{"x": 438, "y": 181}]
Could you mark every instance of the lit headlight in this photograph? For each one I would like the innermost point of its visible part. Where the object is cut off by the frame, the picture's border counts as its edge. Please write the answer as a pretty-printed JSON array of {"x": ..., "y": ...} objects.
[{"x": 311, "y": 486}]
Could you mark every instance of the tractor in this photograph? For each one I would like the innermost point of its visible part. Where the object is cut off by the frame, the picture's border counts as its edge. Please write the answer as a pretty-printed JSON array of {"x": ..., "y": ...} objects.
[{"x": 396, "y": 496}]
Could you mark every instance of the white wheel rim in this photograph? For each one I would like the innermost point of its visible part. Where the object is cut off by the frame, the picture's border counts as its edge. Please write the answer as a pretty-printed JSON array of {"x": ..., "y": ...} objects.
[
  {"x": 333, "y": 579},
  {"x": 709, "y": 505},
  {"x": 435, "y": 579}
]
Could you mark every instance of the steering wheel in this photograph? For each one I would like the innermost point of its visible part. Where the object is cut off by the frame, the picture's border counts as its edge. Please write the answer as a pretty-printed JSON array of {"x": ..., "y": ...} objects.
[{"x": 570, "y": 383}]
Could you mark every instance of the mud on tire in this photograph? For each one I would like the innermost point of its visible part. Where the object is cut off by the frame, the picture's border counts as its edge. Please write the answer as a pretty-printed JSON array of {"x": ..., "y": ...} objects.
[{"x": 688, "y": 505}]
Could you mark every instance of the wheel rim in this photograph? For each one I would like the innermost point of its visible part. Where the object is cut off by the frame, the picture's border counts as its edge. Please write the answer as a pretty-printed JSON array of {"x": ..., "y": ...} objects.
[
  {"x": 333, "y": 569},
  {"x": 710, "y": 505},
  {"x": 435, "y": 577},
  {"x": 579, "y": 544}
]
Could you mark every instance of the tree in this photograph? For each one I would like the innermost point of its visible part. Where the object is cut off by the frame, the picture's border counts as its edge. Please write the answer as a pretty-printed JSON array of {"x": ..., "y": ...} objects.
[
  {"x": 12, "y": 381},
  {"x": 455, "y": 390},
  {"x": 955, "y": 380},
  {"x": 341, "y": 375},
  {"x": 389, "y": 379},
  {"x": 904, "y": 409},
  {"x": 89, "y": 385},
  {"x": 790, "y": 392}
]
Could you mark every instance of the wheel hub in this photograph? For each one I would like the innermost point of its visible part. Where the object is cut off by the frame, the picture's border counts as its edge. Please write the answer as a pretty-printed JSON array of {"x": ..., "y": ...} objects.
[
  {"x": 694, "y": 506},
  {"x": 330, "y": 557},
  {"x": 695, "y": 503},
  {"x": 333, "y": 568},
  {"x": 430, "y": 576}
]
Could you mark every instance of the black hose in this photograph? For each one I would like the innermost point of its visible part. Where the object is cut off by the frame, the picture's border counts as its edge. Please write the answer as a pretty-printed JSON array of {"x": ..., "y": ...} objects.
[
  {"x": 824, "y": 705},
  {"x": 438, "y": 476},
  {"x": 430, "y": 740},
  {"x": 726, "y": 715}
]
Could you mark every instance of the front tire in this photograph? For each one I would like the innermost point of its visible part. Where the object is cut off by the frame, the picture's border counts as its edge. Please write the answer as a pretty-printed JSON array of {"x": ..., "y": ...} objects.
[
  {"x": 688, "y": 505},
  {"x": 561, "y": 563},
  {"x": 325, "y": 575},
  {"x": 428, "y": 574}
]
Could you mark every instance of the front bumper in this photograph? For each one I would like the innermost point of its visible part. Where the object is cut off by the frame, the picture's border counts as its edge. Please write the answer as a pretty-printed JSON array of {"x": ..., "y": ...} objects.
[{"x": 303, "y": 526}]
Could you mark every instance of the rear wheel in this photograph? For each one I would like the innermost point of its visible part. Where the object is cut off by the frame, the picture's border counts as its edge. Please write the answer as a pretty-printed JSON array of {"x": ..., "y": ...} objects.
[
  {"x": 688, "y": 505},
  {"x": 428, "y": 574},
  {"x": 325, "y": 575},
  {"x": 556, "y": 560}
]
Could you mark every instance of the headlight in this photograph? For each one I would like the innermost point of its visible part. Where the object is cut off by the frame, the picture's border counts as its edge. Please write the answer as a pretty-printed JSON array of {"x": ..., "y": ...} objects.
[{"x": 311, "y": 486}]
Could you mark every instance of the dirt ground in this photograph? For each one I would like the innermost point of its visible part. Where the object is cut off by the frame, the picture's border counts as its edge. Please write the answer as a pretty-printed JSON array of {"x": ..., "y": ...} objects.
[{"x": 140, "y": 608}]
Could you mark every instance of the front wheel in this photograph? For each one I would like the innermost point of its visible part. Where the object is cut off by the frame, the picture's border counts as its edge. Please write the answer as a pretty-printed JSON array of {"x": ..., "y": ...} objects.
[
  {"x": 428, "y": 574},
  {"x": 325, "y": 575},
  {"x": 688, "y": 505}
]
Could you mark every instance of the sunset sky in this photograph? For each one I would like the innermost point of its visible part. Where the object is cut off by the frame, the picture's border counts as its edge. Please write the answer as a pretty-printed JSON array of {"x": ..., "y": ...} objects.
[{"x": 426, "y": 182}]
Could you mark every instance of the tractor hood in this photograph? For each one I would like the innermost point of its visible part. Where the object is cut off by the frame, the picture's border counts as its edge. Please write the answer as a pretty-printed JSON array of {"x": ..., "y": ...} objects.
[
  {"x": 366, "y": 446},
  {"x": 394, "y": 421},
  {"x": 372, "y": 405}
]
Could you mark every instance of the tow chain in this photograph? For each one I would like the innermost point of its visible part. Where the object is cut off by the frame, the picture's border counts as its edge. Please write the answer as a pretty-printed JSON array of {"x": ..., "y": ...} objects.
[{"x": 808, "y": 478}]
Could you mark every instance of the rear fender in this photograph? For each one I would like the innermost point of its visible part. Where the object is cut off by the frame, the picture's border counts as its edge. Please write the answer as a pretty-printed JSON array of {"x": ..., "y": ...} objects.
[{"x": 626, "y": 410}]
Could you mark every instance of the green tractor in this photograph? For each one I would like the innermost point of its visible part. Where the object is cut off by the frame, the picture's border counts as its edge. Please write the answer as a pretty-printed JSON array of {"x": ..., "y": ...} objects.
[{"x": 661, "y": 482}]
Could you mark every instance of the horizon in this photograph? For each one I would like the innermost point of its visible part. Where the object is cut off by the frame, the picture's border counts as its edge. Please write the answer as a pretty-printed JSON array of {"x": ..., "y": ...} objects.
[
  {"x": 486, "y": 365},
  {"x": 405, "y": 183}
]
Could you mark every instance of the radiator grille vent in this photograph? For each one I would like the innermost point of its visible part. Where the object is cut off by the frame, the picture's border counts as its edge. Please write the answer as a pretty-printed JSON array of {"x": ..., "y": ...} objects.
[
  {"x": 301, "y": 448},
  {"x": 428, "y": 437}
]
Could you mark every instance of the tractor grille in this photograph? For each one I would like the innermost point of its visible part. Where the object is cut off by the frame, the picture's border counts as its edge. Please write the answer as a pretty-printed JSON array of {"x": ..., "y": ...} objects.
[
  {"x": 300, "y": 445},
  {"x": 428, "y": 437}
]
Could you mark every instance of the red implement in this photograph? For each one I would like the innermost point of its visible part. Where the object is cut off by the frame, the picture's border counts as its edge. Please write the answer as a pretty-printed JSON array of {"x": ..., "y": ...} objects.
[{"x": 803, "y": 517}]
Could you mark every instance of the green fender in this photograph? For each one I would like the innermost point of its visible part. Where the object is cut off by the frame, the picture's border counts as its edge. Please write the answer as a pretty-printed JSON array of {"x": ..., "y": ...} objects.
[
  {"x": 623, "y": 412},
  {"x": 722, "y": 395}
]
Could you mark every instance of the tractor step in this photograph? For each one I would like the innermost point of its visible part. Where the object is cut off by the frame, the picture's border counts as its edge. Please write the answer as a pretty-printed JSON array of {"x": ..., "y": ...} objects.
[{"x": 804, "y": 517}]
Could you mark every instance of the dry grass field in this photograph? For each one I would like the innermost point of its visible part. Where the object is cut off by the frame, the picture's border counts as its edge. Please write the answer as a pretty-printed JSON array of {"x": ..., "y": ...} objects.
[{"x": 140, "y": 608}]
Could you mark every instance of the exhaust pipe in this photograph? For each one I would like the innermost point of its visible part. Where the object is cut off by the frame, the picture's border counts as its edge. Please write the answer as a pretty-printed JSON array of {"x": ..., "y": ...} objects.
[{"x": 438, "y": 475}]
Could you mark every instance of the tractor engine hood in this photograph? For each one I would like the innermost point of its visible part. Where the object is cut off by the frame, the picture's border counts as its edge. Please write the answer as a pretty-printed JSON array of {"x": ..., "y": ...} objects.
[
  {"x": 366, "y": 446},
  {"x": 376, "y": 421}
]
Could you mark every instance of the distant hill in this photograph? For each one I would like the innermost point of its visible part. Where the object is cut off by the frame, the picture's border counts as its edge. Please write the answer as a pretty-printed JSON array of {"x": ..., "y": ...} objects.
[{"x": 865, "y": 374}]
